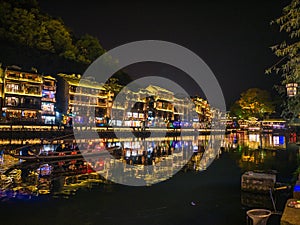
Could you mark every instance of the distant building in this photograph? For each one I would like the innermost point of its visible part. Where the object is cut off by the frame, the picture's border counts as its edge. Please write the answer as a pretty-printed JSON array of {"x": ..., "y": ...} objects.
[{"x": 22, "y": 93}]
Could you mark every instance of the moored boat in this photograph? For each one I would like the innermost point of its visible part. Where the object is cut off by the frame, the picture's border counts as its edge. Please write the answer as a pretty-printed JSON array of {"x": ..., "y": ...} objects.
[{"x": 52, "y": 156}]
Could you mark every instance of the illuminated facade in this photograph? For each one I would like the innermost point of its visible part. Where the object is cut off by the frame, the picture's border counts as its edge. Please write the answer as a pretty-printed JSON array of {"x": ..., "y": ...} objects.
[
  {"x": 160, "y": 105},
  {"x": 48, "y": 100},
  {"x": 77, "y": 98},
  {"x": 22, "y": 93},
  {"x": 205, "y": 113},
  {"x": 1, "y": 90},
  {"x": 134, "y": 113},
  {"x": 151, "y": 106},
  {"x": 32, "y": 97},
  {"x": 154, "y": 106}
]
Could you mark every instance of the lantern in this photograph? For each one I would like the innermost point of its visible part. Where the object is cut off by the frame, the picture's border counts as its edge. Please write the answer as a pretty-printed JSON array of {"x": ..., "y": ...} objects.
[{"x": 291, "y": 89}]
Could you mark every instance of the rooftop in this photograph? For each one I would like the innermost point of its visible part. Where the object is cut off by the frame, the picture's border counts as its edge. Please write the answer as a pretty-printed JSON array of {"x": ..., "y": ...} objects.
[{"x": 76, "y": 80}]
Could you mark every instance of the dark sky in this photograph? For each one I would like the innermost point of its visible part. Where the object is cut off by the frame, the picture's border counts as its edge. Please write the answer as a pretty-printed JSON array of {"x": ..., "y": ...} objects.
[{"x": 232, "y": 37}]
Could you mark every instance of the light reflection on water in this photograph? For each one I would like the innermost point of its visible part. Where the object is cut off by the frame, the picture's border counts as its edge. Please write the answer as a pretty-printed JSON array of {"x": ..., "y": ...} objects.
[
  {"x": 255, "y": 141},
  {"x": 25, "y": 180}
]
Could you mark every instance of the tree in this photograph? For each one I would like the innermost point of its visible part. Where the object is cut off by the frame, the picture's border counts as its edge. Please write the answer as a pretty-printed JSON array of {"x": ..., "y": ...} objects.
[
  {"x": 25, "y": 4},
  {"x": 18, "y": 24},
  {"x": 253, "y": 103},
  {"x": 236, "y": 110},
  {"x": 22, "y": 22},
  {"x": 113, "y": 85},
  {"x": 288, "y": 51},
  {"x": 60, "y": 37},
  {"x": 89, "y": 48}
]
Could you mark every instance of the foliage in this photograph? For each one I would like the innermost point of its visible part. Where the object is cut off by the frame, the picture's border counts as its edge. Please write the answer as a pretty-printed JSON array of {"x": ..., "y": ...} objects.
[
  {"x": 29, "y": 36},
  {"x": 253, "y": 103},
  {"x": 288, "y": 51},
  {"x": 113, "y": 85},
  {"x": 236, "y": 110},
  {"x": 89, "y": 48},
  {"x": 23, "y": 23}
]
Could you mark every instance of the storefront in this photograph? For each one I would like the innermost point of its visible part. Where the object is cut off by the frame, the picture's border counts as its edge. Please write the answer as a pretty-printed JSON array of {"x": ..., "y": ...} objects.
[
  {"x": 48, "y": 119},
  {"x": 134, "y": 119},
  {"x": 48, "y": 108},
  {"x": 101, "y": 121},
  {"x": 21, "y": 115},
  {"x": 117, "y": 123}
]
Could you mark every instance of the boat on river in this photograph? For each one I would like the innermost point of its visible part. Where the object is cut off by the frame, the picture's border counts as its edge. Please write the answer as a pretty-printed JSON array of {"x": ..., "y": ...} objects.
[
  {"x": 75, "y": 154},
  {"x": 258, "y": 181}
]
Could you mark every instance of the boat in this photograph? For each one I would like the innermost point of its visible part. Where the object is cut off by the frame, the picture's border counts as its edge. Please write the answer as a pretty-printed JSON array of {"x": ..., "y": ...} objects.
[
  {"x": 69, "y": 154},
  {"x": 258, "y": 181}
]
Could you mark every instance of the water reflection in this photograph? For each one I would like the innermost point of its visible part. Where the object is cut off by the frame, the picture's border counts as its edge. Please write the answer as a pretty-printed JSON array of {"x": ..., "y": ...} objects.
[
  {"x": 26, "y": 180},
  {"x": 255, "y": 141},
  {"x": 263, "y": 152}
]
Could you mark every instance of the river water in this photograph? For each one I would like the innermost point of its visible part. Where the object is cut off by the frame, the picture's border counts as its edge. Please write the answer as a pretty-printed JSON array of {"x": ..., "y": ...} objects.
[{"x": 204, "y": 191}]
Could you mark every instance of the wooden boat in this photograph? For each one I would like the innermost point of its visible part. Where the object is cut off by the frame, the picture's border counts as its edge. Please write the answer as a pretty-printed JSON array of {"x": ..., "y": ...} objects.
[
  {"x": 258, "y": 182},
  {"x": 69, "y": 154}
]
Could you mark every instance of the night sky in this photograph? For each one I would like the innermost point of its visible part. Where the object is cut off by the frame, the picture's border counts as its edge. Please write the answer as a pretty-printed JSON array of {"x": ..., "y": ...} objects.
[{"x": 232, "y": 37}]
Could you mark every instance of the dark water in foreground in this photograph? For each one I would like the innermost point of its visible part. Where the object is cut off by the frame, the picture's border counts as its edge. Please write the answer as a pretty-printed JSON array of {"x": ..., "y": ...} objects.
[{"x": 215, "y": 192}]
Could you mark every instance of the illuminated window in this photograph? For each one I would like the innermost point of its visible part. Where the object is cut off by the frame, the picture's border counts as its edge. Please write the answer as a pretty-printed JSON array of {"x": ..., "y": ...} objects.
[
  {"x": 47, "y": 107},
  {"x": 10, "y": 87},
  {"x": 11, "y": 101},
  {"x": 48, "y": 94},
  {"x": 49, "y": 83},
  {"x": 35, "y": 90}
]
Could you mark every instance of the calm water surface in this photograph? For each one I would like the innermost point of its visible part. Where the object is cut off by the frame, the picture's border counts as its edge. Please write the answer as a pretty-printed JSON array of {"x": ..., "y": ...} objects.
[{"x": 70, "y": 192}]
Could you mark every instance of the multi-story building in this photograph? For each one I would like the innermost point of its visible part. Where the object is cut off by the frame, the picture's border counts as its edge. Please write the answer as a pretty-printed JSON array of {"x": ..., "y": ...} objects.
[
  {"x": 29, "y": 96},
  {"x": 161, "y": 104},
  {"x": 144, "y": 107},
  {"x": 77, "y": 98},
  {"x": 204, "y": 111},
  {"x": 1, "y": 90},
  {"x": 22, "y": 93},
  {"x": 135, "y": 108},
  {"x": 158, "y": 107},
  {"x": 48, "y": 100}
]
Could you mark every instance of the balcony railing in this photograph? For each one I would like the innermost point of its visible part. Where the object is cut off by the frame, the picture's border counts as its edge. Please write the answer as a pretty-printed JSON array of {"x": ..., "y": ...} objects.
[
  {"x": 23, "y": 106},
  {"x": 19, "y": 78},
  {"x": 95, "y": 95},
  {"x": 32, "y": 92},
  {"x": 48, "y": 99},
  {"x": 48, "y": 112},
  {"x": 102, "y": 104},
  {"x": 22, "y": 92},
  {"x": 49, "y": 88},
  {"x": 74, "y": 102}
]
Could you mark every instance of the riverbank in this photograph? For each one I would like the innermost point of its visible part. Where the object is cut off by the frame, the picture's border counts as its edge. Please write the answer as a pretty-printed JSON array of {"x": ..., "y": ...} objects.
[{"x": 48, "y": 133}]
